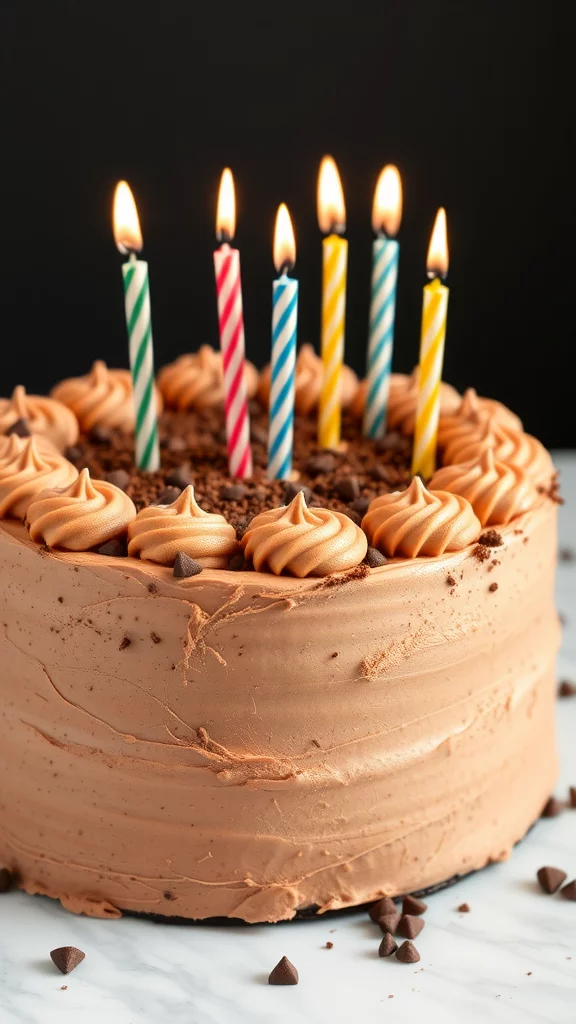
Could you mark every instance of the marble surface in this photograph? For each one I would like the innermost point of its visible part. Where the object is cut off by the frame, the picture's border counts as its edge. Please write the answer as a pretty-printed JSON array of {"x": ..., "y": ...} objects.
[{"x": 512, "y": 958}]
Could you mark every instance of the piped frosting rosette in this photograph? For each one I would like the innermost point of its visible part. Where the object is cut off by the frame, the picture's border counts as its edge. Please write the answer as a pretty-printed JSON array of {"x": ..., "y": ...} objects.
[
  {"x": 25, "y": 470},
  {"x": 196, "y": 381},
  {"x": 45, "y": 416},
  {"x": 102, "y": 398},
  {"x": 308, "y": 382},
  {"x": 301, "y": 541},
  {"x": 497, "y": 492},
  {"x": 508, "y": 445},
  {"x": 420, "y": 522},
  {"x": 160, "y": 532},
  {"x": 469, "y": 417},
  {"x": 402, "y": 401},
  {"x": 80, "y": 517}
]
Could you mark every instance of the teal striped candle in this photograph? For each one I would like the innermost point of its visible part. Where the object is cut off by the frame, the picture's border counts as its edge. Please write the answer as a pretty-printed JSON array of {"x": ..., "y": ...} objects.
[{"x": 139, "y": 324}]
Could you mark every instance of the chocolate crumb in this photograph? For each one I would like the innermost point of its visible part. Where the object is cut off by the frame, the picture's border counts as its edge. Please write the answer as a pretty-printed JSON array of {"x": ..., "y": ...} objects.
[
  {"x": 481, "y": 552},
  {"x": 152, "y": 588},
  {"x": 329, "y": 945},
  {"x": 284, "y": 973},
  {"x": 233, "y": 492},
  {"x": 374, "y": 558},
  {"x": 451, "y": 581},
  {"x": 569, "y": 891},
  {"x": 491, "y": 539},
  {"x": 493, "y": 587},
  {"x": 119, "y": 477},
  {"x": 66, "y": 958},
  {"x": 567, "y": 689},
  {"x": 155, "y": 638},
  {"x": 551, "y": 808},
  {"x": 292, "y": 489},
  {"x": 237, "y": 562},
  {"x": 180, "y": 477},
  {"x": 412, "y": 905},
  {"x": 389, "y": 922},
  {"x": 348, "y": 488},
  {"x": 383, "y": 906},
  {"x": 410, "y": 926},
  {"x": 63, "y": 988},
  {"x": 407, "y": 953},
  {"x": 115, "y": 548},
  {"x": 464, "y": 908},
  {"x": 387, "y": 946},
  {"x": 60, "y": 600},
  {"x": 5, "y": 880},
  {"x": 566, "y": 555},
  {"x": 334, "y": 654},
  {"x": 360, "y": 505},
  {"x": 20, "y": 428},
  {"x": 168, "y": 895},
  {"x": 572, "y": 795},
  {"x": 550, "y": 878},
  {"x": 124, "y": 643},
  {"x": 325, "y": 462},
  {"x": 99, "y": 435},
  {"x": 184, "y": 566}
]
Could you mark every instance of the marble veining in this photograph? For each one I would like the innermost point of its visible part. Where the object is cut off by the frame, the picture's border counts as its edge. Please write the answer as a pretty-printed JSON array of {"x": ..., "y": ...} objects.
[{"x": 511, "y": 959}]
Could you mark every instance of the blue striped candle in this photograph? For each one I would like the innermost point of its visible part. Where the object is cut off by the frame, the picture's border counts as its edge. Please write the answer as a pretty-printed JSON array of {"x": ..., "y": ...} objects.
[
  {"x": 385, "y": 252},
  {"x": 283, "y": 361}
]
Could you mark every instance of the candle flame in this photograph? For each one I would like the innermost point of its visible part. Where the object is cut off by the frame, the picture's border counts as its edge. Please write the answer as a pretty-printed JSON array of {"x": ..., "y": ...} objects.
[
  {"x": 437, "y": 261},
  {"x": 127, "y": 233},
  {"x": 331, "y": 208},
  {"x": 387, "y": 206},
  {"x": 226, "y": 212},
  {"x": 284, "y": 244}
]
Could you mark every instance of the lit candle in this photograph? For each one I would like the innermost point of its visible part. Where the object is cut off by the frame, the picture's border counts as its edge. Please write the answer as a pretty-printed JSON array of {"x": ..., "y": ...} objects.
[
  {"x": 283, "y": 368},
  {"x": 128, "y": 238},
  {"x": 231, "y": 325},
  {"x": 434, "y": 311},
  {"x": 386, "y": 217},
  {"x": 332, "y": 221}
]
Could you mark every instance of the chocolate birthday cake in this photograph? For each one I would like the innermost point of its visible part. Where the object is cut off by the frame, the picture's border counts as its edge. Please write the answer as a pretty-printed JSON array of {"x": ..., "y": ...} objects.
[{"x": 256, "y": 699}]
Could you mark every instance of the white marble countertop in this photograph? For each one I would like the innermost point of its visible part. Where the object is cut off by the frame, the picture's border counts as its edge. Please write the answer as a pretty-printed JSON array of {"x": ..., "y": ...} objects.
[{"x": 512, "y": 958}]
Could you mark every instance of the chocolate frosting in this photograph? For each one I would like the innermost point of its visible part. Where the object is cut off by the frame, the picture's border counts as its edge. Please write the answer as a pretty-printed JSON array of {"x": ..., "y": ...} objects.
[
  {"x": 418, "y": 521},
  {"x": 195, "y": 380},
  {"x": 160, "y": 532},
  {"x": 508, "y": 445},
  {"x": 45, "y": 416},
  {"x": 80, "y": 517},
  {"x": 497, "y": 492},
  {"x": 25, "y": 470},
  {"x": 403, "y": 399},
  {"x": 102, "y": 398},
  {"x": 308, "y": 382}
]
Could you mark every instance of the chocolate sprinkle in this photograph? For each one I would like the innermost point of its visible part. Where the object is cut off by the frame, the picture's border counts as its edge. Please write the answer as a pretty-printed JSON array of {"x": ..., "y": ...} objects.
[
  {"x": 66, "y": 958},
  {"x": 374, "y": 558},
  {"x": 284, "y": 973},
  {"x": 412, "y": 905},
  {"x": 410, "y": 926},
  {"x": 184, "y": 566},
  {"x": 5, "y": 880},
  {"x": 491, "y": 539},
  {"x": 567, "y": 689},
  {"x": 387, "y": 946},
  {"x": 551, "y": 878},
  {"x": 20, "y": 428},
  {"x": 551, "y": 808},
  {"x": 407, "y": 953},
  {"x": 389, "y": 922},
  {"x": 569, "y": 891},
  {"x": 384, "y": 906}
]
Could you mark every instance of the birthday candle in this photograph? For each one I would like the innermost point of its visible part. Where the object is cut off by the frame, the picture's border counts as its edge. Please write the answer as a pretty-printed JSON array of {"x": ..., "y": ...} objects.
[
  {"x": 283, "y": 368},
  {"x": 432, "y": 337},
  {"x": 332, "y": 222}
]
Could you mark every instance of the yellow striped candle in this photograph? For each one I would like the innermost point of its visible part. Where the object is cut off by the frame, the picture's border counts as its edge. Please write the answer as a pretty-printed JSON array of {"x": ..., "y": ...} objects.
[
  {"x": 332, "y": 221},
  {"x": 433, "y": 334}
]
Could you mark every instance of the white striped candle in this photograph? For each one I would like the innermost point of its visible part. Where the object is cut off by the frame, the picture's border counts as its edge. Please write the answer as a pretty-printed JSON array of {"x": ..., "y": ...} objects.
[{"x": 283, "y": 361}]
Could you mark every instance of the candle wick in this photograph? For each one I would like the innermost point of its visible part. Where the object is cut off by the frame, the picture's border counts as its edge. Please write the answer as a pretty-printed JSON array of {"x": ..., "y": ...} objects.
[
  {"x": 133, "y": 256},
  {"x": 224, "y": 236},
  {"x": 285, "y": 268}
]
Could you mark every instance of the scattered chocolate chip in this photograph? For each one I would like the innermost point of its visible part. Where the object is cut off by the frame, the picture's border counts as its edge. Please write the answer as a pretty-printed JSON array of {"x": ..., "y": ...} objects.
[
  {"x": 20, "y": 428},
  {"x": 155, "y": 638},
  {"x": 387, "y": 946},
  {"x": 493, "y": 587},
  {"x": 73, "y": 453},
  {"x": 383, "y": 906},
  {"x": 389, "y": 922},
  {"x": 5, "y": 880},
  {"x": 552, "y": 808},
  {"x": 410, "y": 926},
  {"x": 407, "y": 953},
  {"x": 566, "y": 555},
  {"x": 180, "y": 477},
  {"x": 347, "y": 488},
  {"x": 292, "y": 489},
  {"x": 374, "y": 558},
  {"x": 66, "y": 958},
  {"x": 124, "y": 643},
  {"x": 569, "y": 891},
  {"x": 323, "y": 463},
  {"x": 551, "y": 878},
  {"x": 491, "y": 539},
  {"x": 115, "y": 548},
  {"x": 168, "y": 496},
  {"x": 329, "y": 945},
  {"x": 450, "y": 580},
  {"x": 360, "y": 505},
  {"x": 284, "y": 973},
  {"x": 567, "y": 689},
  {"x": 572, "y": 796},
  {"x": 99, "y": 435},
  {"x": 119, "y": 477},
  {"x": 233, "y": 492},
  {"x": 237, "y": 562},
  {"x": 412, "y": 905},
  {"x": 464, "y": 908},
  {"x": 184, "y": 566}
]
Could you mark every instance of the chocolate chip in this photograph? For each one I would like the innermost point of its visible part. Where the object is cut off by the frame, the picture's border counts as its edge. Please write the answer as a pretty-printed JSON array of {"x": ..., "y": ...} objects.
[
  {"x": 20, "y": 428},
  {"x": 168, "y": 895},
  {"x": 124, "y": 643},
  {"x": 384, "y": 474},
  {"x": 119, "y": 477},
  {"x": 390, "y": 443},
  {"x": 572, "y": 794},
  {"x": 237, "y": 562},
  {"x": 464, "y": 908},
  {"x": 184, "y": 566},
  {"x": 99, "y": 435},
  {"x": 329, "y": 945},
  {"x": 66, "y": 958},
  {"x": 347, "y": 487},
  {"x": 387, "y": 946},
  {"x": 258, "y": 434},
  {"x": 491, "y": 539},
  {"x": 323, "y": 463},
  {"x": 254, "y": 407},
  {"x": 242, "y": 525},
  {"x": 493, "y": 587},
  {"x": 73, "y": 453},
  {"x": 567, "y": 689},
  {"x": 451, "y": 581},
  {"x": 410, "y": 926},
  {"x": 552, "y": 808},
  {"x": 284, "y": 973},
  {"x": 115, "y": 548},
  {"x": 407, "y": 953},
  {"x": 360, "y": 506},
  {"x": 384, "y": 906},
  {"x": 176, "y": 444},
  {"x": 412, "y": 905},
  {"x": 389, "y": 922},
  {"x": 551, "y": 878},
  {"x": 5, "y": 880},
  {"x": 569, "y": 891},
  {"x": 155, "y": 638},
  {"x": 353, "y": 516},
  {"x": 180, "y": 477},
  {"x": 374, "y": 558},
  {"x": 567, "y": 555},
  {"x": 233, "y": 492},
  {"x": 168, "y": 496},
  {"x": 482, "y": 552},
  {"x": 292, "y": 489}
]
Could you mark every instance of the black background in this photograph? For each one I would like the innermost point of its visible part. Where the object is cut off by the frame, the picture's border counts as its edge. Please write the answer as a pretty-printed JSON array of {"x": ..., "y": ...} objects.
[{"x": 473, "y": 102}]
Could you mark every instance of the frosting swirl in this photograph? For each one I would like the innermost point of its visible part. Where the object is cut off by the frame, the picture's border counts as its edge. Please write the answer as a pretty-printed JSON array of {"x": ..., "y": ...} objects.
[
  {"x": 420, "y": 522},
  {"x": 45, "y": 416},
  {"x": 510, "y": 446},
  {"x": 468, "y": 418},
  {"x": 102, "y": 398},
  {"x": 196, "y": 381},
  {"x": 25, "y": 470},
  {"x": 308, "y": 382},
  {"x": 497, "y": 492},
  {"x": 80, "y": 517},
  {"x": 402, "y": 401},
  {"x": 302, "y": 541},
  {"x": 160, "y": 532}
]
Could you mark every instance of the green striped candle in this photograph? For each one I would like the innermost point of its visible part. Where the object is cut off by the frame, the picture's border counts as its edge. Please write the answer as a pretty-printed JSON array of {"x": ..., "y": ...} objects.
[{"x": 138, "y": 321}]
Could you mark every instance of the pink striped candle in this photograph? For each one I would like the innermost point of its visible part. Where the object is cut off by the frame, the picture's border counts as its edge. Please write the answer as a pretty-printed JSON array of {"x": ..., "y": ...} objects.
[{"x": 231, "y": 326}]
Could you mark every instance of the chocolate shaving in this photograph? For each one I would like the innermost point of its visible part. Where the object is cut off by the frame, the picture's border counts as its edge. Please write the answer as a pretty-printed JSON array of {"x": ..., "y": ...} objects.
[{"x": 284, "y": 973}]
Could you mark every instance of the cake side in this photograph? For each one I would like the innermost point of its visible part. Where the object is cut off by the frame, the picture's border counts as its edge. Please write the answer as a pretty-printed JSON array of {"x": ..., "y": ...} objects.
[{"x": 241, "y": 745}]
